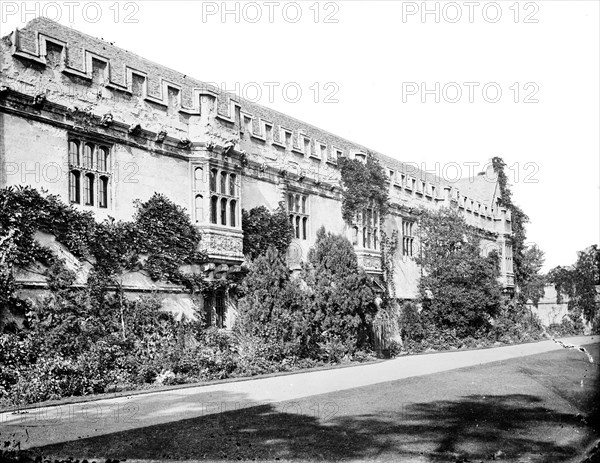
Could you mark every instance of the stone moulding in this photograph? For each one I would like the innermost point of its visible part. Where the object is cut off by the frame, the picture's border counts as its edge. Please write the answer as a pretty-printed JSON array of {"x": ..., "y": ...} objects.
[{"x": 79, "y": 52}]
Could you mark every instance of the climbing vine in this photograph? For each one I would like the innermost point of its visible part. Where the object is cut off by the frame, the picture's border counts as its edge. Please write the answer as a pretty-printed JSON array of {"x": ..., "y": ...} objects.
[
  {"x": 519, "y": 220},
  {"x": 365, "y": 185},
  {"x": 159, "y": 240},
  {"x": 389, "y": 245}
]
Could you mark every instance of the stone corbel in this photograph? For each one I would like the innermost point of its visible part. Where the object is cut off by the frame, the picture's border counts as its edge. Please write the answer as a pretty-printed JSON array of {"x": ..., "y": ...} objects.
[
  {"x": 135, "y": 129},
  {"x": 106, "y": 120},
  {"x": 230, "y": 145},
  {"x": 39, "y": 100},
  {"x": 160, "y": 136},
  {"x": 185, "y": 143}
]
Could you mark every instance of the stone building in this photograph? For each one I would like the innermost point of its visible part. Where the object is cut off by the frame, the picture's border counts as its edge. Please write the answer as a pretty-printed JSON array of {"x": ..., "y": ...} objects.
[{"x": 101, "y": 127}]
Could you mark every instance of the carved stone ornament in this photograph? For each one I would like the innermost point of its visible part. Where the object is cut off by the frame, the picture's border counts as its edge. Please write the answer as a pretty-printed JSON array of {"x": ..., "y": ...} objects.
[{"x": 160, "y": 136}]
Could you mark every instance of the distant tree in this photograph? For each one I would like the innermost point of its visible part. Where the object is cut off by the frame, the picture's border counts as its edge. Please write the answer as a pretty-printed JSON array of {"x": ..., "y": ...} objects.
[
  {"x": 458, "y": 287},
  {"x": 579, "y": 282},
  {"x": 533, "y": 281},
  {"x": 342, "y": 294},
  {"x": 263, "y": 229}
]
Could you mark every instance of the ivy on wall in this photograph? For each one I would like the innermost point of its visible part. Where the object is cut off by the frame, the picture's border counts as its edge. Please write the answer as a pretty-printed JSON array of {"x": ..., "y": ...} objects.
[
  {"x": 519, "y": 219},
  {"x": 263, "y": 229},
  {"x": 365, "y": 185},
  {"x": 389, "y": 245},
  {"x": 159, "y": 240}
]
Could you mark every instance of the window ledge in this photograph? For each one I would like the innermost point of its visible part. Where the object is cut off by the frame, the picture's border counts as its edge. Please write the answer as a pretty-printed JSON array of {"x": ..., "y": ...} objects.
[
  {"x": 278, "y": 144},
  {"x": 224, "y": 118},
  {"x": 258, "y": 137}
]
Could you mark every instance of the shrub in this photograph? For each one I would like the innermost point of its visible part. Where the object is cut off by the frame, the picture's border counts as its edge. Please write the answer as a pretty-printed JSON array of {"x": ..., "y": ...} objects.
[
  {"x": 334, "y": 348},
  {"x": 255, "y": 356},
  {"x": 570, "y": 325},
  {"x": 459, "y": 288},
  {"x": 411, "y": 326},
  {"x": 51, "y": 378},
  {"x": 273, "y": 310},
  {"x": 263, "y": 229},
  {"x": 342, "y": 298},
  {"x": 515, "y": 323}
]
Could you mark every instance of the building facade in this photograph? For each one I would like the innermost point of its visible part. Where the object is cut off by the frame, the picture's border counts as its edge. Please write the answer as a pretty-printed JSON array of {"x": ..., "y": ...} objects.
[{"x": 101, "y": 127}]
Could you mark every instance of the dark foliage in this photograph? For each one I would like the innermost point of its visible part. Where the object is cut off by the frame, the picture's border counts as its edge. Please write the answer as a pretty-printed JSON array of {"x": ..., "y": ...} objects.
[
  {"x": 365, "y": 185},
  {"x": 263, "y": 229},
  {"x": 459, "y": 287},
  {"x": 579, "y": 282},
  {"x": 519, "y": 220},
  {"x": 273, "y": 311},
  {"x": 341, "y": 293}
]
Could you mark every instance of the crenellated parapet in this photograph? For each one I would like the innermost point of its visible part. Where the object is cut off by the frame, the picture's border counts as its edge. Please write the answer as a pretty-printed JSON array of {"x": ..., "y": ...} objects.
[
  {"x": 135, "y": 90},
  {"x": 67, "y": 79}
]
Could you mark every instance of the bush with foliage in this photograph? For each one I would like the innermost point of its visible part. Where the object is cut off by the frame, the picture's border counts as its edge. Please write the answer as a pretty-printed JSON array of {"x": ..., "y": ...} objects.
[
  {"x": 579, "y": 283},
  {"x": 342, "y": 295},
  {"x": 459, "y": 287},
  {"x": 89, "y": 339},
  {"x": 263, "y": 230},
  {"x": 411, "y": 326},
  {"x": 273, "y": 312},
  {"x": 515, "y": 323}
]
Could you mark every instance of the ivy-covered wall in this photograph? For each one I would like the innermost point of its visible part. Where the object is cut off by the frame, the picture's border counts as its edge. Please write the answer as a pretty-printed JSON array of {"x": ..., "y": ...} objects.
[{"x": 36, "y": 154}]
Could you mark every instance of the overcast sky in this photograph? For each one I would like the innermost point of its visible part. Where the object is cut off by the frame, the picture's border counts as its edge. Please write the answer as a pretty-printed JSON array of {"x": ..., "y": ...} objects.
[{"x": 359, "y": 69}]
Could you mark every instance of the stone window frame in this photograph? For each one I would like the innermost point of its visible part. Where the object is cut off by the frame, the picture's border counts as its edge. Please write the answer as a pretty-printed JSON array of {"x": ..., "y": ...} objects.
[
  {"x": 334, "y": 154},
  {"x": 367, "y": 229},
  {"x": 307, "y": 145},
  {"x": 402, "y": 183},
  {"x": 408, "y": 238},
  {"x": 361, "y": 156},
  {"x": 224, "y": 197},
  {"x": 216, "y": 309},
  {"x": 298, "y": 207},
  {"x": 268, "y": 131},
  {"x": 287, "y": 138},
  {"x": 90, "y": 178},
  {"x": 321, "y": 151}
]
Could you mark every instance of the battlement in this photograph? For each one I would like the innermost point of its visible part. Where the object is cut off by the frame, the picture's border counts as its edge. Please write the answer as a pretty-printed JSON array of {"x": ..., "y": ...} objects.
[{"x": 90, "y": 60}]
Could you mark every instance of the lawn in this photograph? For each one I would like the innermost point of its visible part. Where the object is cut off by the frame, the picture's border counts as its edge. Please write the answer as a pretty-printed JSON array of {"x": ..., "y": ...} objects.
[{"x": 539, "y": 408}]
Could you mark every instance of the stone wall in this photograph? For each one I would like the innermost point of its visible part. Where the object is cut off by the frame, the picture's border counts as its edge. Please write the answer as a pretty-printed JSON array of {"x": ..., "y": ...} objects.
[{"x": 57, "y": 83}]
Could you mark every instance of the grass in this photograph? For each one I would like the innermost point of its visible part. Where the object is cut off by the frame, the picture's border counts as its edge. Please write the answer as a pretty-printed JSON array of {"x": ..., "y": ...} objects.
[{"x": 540, "y": 408}]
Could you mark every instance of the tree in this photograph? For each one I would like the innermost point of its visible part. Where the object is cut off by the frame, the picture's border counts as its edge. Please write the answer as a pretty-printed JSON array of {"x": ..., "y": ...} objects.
[
  {"x": 459, "y": 287},
  {"x": 579, "y": 282},
  {"x": 273, "y": 309},
  {"x": 263, "y": 229},
  {"x": 342, "y": 294},
  {"x": 533, "y": 282}
]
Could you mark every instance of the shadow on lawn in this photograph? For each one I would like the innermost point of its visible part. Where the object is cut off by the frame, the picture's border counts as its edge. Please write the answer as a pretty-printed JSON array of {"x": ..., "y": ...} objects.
[{"x": 475, "y": 427}]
